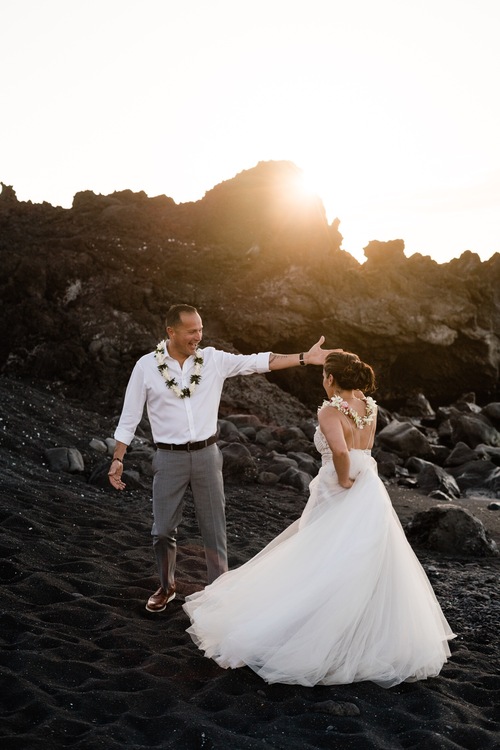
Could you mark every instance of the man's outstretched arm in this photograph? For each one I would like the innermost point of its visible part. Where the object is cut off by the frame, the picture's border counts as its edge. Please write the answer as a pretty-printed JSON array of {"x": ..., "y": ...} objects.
[{"x": 315, "y": 356}]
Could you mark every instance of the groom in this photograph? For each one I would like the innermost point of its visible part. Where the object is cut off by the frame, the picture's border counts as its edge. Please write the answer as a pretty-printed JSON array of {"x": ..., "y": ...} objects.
[{"x": 181, "y": 386}]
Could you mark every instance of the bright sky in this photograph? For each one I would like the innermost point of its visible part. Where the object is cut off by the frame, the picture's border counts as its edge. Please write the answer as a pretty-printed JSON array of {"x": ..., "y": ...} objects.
[{"x": 391, "y": 107}]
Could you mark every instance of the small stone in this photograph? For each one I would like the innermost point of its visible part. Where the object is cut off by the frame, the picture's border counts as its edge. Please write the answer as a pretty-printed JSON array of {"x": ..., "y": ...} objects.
[
  {"x": 110, "y": 445},
  {"x": 407, "y": 482},
  {"x": 98, "y": 445},
  {"x": 440, "y": 495}
]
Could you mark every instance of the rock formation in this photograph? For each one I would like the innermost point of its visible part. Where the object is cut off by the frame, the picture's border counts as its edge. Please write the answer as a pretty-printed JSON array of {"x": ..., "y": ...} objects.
[{"x": 84, "y": 291}]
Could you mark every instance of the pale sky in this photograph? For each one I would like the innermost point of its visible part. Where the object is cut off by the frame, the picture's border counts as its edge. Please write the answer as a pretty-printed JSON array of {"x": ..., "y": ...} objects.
[{"x": 391, "y": 107}]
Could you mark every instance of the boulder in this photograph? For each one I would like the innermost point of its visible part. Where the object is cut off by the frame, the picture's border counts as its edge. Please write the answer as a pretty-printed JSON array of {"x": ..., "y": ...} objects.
[
  {"x": 384, "y": 417},
  {"x": 451, "y": 530},
  {"x": 414, "y": 464},
  {"x": 492, "y": 484},
  {"x": 305, "y": 462},
  {"x": 492, "y": 412},
  {"x": 308, "y": 428},
  {"x": 98, "y": 445},
  {"x": 267, "y": 477},
  {"x": 244, "y": 420},
  {"x": 266, "y": 438},
  {"x": 461, "y": 454},
  {"x": 467, "y": 403},
  {"x": 65, "y": 459},
  {"x": 417, "y": 405},
  {"x": 289, "y": 434},
  {"x": 440, "y": 495},
  {"x": 239, "y": 463},
  {"x": 431, "y": 478},
  {"x": 294, "y": 477},
  {"x": 250, "y": 433},
  {"x": 387, "y": 462},
  {"x": 300, "y": 445},
  {"x": 278, "y": 464},
  {"x": 488, "y": 452},
  {"x": 404, "y": 439},
  {"x": 228, "y": 431},
  {"x": 111, "y": 445},
  {"x": 477, "y": 475},
  {"x": 439, "y": 454},
  {"x": 473, "y": 429}
]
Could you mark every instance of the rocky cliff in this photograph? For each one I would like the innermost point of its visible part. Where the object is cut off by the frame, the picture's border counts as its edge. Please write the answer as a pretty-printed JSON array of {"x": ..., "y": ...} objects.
[{"x": 84, "y": 290}]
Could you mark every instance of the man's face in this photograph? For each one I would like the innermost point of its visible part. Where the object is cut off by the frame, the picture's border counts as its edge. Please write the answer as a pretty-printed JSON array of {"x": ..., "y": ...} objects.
[{"x": 185, "y": 337}]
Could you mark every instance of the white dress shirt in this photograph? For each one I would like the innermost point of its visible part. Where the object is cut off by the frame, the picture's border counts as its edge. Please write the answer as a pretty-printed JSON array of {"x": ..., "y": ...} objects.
[{"x": 182, "y": 420}]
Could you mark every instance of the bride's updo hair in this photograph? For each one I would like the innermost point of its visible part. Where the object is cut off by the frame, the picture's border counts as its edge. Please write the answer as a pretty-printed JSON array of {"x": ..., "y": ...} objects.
[{"x": 349, "y": 372}]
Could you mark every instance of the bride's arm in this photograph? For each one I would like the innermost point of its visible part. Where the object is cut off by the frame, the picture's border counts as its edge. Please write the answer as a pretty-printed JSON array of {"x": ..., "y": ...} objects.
[{"x": 331, "y": 427}]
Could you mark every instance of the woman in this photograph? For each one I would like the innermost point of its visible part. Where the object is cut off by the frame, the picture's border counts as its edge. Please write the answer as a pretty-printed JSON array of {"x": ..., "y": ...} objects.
[{"x": 339, "y": 596}]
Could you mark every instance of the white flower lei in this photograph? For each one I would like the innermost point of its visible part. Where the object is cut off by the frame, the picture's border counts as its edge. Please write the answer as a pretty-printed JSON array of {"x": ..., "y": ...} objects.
[
  {"x": 172, "y": 382},
  {"x": 360, "y": 422}
]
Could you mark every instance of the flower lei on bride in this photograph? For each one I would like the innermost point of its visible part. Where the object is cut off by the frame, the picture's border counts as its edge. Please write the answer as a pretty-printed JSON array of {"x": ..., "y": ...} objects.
[
  {"x": 360, "y": 422},
  {"x": 172, "y": 382}
]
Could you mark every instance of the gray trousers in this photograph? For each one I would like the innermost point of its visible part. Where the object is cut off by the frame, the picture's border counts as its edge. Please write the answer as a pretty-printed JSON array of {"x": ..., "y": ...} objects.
[{"x": 174, "y": 471}]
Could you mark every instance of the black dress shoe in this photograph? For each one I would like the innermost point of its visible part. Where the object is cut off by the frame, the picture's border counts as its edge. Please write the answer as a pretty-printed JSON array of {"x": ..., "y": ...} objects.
[{"x": 159, "y": 600}]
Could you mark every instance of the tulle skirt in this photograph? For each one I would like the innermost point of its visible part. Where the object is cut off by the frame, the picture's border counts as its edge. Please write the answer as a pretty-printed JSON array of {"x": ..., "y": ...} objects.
[{"x": 338, "y": 597}]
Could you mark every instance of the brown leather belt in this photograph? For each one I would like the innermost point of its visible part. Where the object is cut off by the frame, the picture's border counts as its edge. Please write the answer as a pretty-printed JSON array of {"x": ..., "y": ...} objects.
[{"x": 187, "y": 446}]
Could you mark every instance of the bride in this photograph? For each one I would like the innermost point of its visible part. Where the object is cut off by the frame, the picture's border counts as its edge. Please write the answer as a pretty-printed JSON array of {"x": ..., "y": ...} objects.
[{"x": 339, "y": 596}]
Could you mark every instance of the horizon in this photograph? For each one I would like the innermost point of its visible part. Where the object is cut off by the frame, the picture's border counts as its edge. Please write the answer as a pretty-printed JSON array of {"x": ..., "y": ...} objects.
[{"x": 390, "y": 111}]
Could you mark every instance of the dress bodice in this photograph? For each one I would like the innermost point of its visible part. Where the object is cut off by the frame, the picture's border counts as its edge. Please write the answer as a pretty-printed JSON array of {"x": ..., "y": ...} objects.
[
  {"x": 323, "y": 448},
  {"x": 321, "y": 444}
]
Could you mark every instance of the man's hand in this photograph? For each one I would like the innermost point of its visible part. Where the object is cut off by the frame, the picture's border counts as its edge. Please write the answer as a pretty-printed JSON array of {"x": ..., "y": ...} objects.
[
  {"x": 316, "y": 355},
  {"x": 115, "y": 475}
]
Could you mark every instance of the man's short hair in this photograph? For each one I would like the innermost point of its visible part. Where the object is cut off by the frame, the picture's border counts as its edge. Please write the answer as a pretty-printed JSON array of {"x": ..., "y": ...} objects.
[{"x": 174, "y": 314}]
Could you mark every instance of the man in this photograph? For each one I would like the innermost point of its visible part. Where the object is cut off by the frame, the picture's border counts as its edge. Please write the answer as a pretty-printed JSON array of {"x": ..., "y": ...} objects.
[{"x": 181, "y": 386}]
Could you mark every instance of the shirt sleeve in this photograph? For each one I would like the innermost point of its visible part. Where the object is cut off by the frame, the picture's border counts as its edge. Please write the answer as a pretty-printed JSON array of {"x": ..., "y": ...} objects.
[
  {"x": 133, "y": 406},
  {"x": 243, "y": 364}
]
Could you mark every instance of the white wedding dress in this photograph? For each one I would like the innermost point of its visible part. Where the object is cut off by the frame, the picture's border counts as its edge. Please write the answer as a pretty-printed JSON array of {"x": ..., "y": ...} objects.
[{"x": 338, "y": 597}]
